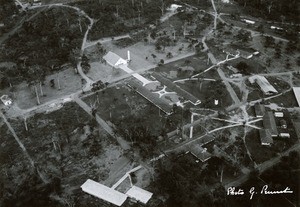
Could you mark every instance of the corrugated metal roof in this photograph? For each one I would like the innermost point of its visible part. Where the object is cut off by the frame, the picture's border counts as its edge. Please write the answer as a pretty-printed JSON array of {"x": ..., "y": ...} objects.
[{"x": 104, "y": 192}]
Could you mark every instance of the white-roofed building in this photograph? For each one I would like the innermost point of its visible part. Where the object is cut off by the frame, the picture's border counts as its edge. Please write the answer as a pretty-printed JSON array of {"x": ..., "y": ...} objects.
[
  {"x": 297, "y": 94},
  {"x": 264, "y": 84},
  {"x": 103, "y": 192},
  {"x": 113, "y": 59},
  {"x": 139, "y": 194},
  {"x": 6, "y": 100}
]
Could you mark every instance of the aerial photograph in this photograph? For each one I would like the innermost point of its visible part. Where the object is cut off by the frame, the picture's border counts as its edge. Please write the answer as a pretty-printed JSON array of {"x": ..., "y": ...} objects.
[{"x": 150, "y": 103}]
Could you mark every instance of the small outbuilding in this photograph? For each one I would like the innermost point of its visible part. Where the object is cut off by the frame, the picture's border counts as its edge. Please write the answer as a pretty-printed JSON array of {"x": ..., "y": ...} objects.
[{"x": 6, "y": 100}]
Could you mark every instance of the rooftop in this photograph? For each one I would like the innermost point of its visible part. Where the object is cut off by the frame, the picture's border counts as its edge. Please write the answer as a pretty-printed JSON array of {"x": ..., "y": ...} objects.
[
  {"x": 200, "y": 152},
  {"x": 297, "y": 94},
  {"x": 265, "y": 137},
  {"x": 113, "y": 59},
  {"x": 264, "y": 84},
  {"x": 139, "y": 194},
  {"x": 104, "y": 192},
  {"x": 270, "y": 124},
  {"x": 260, "y": 110}
]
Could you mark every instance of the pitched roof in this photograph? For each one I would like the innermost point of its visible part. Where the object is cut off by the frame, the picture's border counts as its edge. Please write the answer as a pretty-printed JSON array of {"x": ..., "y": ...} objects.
[
  {"x": 259, "y": 110},
  {"x": 200, "y": 152},
  {"x": 297, "y": 94},
  {"x": 269, "y": 123},
  {"x": 296, "y": 123},
  {"x": 139, "y": 194},
  {"x": 104, "y": 192},
  {"x": 265, "y": 137},
  {"x": 112, "y": 58},
  {"x": 263, "y": 83}
]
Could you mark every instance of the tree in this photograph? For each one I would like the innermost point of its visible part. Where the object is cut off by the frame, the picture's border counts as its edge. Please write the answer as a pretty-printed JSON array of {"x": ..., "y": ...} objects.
[
  {"x": 169, "y": 55},
  {"x": 242, "y": 66},
  {"x": 153, "y": 56},
  {"x": 187, "y": 62},
  {"x": 269, "y": 41}
]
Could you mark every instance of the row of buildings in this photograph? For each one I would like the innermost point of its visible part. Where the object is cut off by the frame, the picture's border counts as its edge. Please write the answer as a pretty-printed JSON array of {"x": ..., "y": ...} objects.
[{"x": 274, "y": 125}]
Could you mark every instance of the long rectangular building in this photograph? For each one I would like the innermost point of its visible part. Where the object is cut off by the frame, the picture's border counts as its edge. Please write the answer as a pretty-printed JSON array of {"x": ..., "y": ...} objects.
[
  {"x": 270, "y": 123},
  {"x": 172, "y": 86},
  {"x": 103, "y": 192},
  {"x": 296, "y": 91},
  {"x": 153, "y": 98}
]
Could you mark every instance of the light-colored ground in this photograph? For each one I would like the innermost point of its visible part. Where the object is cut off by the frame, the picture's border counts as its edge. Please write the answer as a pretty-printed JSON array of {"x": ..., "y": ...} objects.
[
  {"x": 70, "y": 83},
  {"x": 140, "y": 51}
]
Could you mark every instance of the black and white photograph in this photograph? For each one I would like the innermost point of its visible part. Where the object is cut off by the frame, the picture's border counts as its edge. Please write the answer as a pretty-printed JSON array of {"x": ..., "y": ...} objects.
[{"x": 149, "y": 103}]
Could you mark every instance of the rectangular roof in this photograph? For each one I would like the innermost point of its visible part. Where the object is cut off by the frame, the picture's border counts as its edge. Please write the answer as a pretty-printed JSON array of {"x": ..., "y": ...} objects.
[
  {"x": 259, "y": 110},
  {"x": 172, "y": 86},
  {"x": 269, "y": 123},
  {"x": 104, "y": 192},
  {"x": 200, "y": 152},
  {"x": 112, "y": 58},
  {"x": 265, "y": 136},
  {"x": 297, "y": 94},
  {"x": 263, "y": 83},
  {"x": 139, "y": 194},
  {"x": 160, "y": 103},
  {"x": 297, "y": 127}
]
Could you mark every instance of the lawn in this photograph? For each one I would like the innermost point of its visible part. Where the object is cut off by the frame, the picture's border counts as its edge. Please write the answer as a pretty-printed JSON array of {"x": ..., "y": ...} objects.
[
  {"x": 208, "y": 92},
  {"x": 184, "y": 68}
]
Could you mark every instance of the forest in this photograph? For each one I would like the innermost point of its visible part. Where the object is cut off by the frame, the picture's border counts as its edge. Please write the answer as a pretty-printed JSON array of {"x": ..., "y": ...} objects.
[
  {"x": 273, "y": 9},
  {"x": 118, "y": 17},
  {"x": 42, "y": 45}
]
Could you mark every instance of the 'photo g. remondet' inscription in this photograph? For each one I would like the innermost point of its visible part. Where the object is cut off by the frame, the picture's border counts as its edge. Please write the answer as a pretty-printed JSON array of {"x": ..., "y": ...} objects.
[{"x": 149, "y": 103}]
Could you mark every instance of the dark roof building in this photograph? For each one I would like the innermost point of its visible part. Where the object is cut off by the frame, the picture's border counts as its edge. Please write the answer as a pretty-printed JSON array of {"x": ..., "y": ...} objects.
[
  {"x": 265, "y": 137},
  {"x": 259, "y": 110},
  {"x": 270, "y": 124},
  {"x": 296, "y": 123},
  {"x": 200, "y": 152}
]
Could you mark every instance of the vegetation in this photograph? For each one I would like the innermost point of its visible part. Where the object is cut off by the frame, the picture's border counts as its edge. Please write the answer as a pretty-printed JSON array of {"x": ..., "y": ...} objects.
[
  {"x": 273, "y": 9},
  {"x": 187, "y": 182},
  {"x": 116, "y": 17},
  {"x": 43, "y": 43},
  {"x": 7, "y": 10}
]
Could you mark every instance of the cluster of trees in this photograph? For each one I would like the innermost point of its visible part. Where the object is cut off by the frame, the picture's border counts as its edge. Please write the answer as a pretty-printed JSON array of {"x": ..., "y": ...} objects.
[
  {"x": 7, "y": 9},
  {"x": 187, "y": 183},
  {"x": 284, "y": 174},
  {"x": 112, "y": 15},
  {"x": 43, "y": 43},
  {"x": 273, "y": 9}
]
